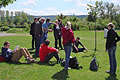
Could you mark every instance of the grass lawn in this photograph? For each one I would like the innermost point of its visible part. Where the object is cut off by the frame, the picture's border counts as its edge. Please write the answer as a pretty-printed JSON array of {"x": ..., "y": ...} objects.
[{"x": 50, "y": 72}]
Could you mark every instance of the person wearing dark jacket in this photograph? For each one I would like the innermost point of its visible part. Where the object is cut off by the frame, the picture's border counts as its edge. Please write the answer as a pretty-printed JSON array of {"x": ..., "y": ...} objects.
[
  {"x": 76, "y": 44},
  {"x": 32, "y": 31},
  {"x": 57, "y": 34},
  {"x": 112, "y": 39},
  {"x": 38, "y": 36}
]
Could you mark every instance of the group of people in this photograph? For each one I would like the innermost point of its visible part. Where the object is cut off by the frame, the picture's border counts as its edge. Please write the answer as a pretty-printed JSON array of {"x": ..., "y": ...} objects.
[{"x": 39, "y": 31}]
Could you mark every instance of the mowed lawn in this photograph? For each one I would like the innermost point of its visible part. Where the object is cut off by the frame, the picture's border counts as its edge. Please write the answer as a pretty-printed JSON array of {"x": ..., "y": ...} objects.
[{"x": 55, "y": 72}]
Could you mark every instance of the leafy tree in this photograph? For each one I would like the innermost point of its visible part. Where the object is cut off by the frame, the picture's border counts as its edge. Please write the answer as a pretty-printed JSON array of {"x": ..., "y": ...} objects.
[{"x": 4, "y": 3}]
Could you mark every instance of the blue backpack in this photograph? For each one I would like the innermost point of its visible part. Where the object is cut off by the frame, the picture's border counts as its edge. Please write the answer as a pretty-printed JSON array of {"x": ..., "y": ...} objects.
[{"x": 94, "y": 64}]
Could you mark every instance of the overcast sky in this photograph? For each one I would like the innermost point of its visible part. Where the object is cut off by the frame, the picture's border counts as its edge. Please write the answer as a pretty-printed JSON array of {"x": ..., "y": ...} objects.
[{"x": 53, "y": 7}]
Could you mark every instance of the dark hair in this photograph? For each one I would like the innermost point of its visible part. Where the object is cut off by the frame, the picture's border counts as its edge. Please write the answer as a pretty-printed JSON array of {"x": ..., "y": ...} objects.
[
  {"x": 78, "y": 38},
  {"x": 5, "y": 43},
  {"x": 48, "y": 19},
  {"x": 47, "y": 42},
  {"x": 59, "y": 20},
  {"x": 111, "y": 25},
  {"x": 35, "y": 19}
]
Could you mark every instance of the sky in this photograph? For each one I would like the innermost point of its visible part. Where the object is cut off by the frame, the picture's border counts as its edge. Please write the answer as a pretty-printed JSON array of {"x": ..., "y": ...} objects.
[{"x": 53, "y": 7}]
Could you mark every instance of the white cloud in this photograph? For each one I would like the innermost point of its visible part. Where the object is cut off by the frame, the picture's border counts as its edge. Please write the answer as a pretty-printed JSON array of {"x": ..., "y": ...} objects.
[
  {"x": 78, "y": 2},
  {"x": 48, "y": 11},
  {"x": 29, "y": 2}
]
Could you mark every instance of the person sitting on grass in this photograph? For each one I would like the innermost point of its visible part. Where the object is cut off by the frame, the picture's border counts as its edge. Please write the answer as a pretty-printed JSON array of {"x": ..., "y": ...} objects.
[
  {"x": 15, "y": 55},
  {"x": 76, "y": 44},
  {"x": 46, "y": 53}
]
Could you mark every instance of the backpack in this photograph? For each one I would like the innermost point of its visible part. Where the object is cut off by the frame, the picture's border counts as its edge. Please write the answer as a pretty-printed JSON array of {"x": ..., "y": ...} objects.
[
  {"x": 94, "y": 64},
  {"x": 73, "y": 63}
]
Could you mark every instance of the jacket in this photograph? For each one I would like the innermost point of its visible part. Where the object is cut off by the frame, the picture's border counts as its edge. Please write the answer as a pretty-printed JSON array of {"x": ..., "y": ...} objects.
[
  {"x": 32, "y": 29},
  {"x": 44, "y": 51},
  {"x": 38, "y": 29},
  {"x": 112, "y": 39},
  {"x": 68, "y": 36}
]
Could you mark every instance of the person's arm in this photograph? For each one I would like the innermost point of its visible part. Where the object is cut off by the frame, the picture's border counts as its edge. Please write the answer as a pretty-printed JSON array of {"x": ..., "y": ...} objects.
[
  {"x": 117, "y": 36},
  {"x": 51, "y": 50},
  {"x": 75, "y": 47}
]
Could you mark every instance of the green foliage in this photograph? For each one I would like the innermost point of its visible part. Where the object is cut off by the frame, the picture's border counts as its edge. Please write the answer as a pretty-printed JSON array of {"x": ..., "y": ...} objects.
[
  {"x": 4, "y": 3},
  {"x": 16, "y": 30},
  {"x": 5, "y": 28}
]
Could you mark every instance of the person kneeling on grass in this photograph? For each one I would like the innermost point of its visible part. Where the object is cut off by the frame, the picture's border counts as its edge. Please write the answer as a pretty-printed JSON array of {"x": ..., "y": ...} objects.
[
  {"x": 76, "y": 44},
  {"x": 46, "y": 53},
  {"x": 15, "y": 55}
]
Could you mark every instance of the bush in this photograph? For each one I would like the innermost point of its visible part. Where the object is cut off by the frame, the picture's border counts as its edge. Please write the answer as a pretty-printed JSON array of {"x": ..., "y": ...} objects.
[
  {"x": 16, "y": 30},
  {"x": 5, "y": 28}
]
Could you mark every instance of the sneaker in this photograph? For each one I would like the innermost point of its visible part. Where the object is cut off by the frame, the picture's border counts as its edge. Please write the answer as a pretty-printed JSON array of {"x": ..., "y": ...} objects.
[{"x": 67, "y": 68}]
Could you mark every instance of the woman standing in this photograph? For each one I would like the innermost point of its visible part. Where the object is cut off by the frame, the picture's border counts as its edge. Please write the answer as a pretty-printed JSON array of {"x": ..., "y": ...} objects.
[
  {"x": 68, "y": 39},
  {"x": 112, "y": 39}
]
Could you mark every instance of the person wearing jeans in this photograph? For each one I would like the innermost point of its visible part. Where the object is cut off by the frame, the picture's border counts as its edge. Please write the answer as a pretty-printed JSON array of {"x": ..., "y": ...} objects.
[
  {"x": 112, "y": 39},
  {"x": 68, "y": 40}
]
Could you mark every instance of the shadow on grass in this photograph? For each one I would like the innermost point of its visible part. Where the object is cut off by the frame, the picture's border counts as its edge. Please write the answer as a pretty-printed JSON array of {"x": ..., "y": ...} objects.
[
  {"x": 51, "y": 63},
  {"x": 62, "y": 75},
  {"x": 111, "y": 77}
]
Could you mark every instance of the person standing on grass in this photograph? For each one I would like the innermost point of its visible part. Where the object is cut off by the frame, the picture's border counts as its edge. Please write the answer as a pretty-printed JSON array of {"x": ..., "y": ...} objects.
[
  {"x": 15, "y": 55},
  {"x": 68, "y": 39},
  {"x": 45, "y": 28},
  {"x": 32, "y": 31},
  {"x": 46, "y": 53},
  {"x": 76, "y": 44},
  {"x": 38, "y": 36},
  {"x": 57, "y": 34},
  {"x": 112, "y": 39}
]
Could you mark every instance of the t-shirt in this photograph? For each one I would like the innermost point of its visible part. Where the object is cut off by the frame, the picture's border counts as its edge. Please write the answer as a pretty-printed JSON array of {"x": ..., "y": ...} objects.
[
  {"x": 45, "y": 26},
  {"x": 77, "y": 44}
]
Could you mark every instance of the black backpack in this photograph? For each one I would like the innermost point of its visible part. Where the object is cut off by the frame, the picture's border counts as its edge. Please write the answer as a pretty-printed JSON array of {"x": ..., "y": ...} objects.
[
  {"x": 94, "y": 64},
  {"x": 73, "y": 63}
]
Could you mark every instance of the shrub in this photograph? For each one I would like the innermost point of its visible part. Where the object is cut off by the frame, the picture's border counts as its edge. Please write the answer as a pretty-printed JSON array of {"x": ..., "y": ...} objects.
[
  {"x": 16, "y": 30},
  {"x": 5, "y": 28}
]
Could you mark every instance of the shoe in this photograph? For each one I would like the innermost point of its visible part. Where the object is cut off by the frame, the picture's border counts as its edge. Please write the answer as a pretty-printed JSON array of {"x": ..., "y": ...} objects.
[
  {"x": 62, "y": 48},
  {"x": 67, "y": 68},
  {"x": 111, "y": 73}
]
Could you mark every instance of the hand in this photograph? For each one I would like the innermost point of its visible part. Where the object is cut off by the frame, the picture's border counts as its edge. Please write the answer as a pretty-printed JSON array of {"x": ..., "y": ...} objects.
[
  {"x": 50, "y": 30},
  {"x": 57, "y": 51},
  {"x": 77, "y": 49}
]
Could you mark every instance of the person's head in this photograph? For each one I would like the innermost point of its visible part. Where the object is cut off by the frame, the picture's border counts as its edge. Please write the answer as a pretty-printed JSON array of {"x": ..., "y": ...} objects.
[
  {"x": 47, "y": 20},
  {"x": 68, "y": 25},
  {"x": 35, "y": 19},
  {"x": 42, "y": 20},
  {"x": 111, "y": 26},
  {"x": 59, "y": 21},
  {"x": 78, "y": 38},
  {"x": 56, "y": 21},
  {"x": 6, "y": 44},
  {"x": 47, "y": 42}
]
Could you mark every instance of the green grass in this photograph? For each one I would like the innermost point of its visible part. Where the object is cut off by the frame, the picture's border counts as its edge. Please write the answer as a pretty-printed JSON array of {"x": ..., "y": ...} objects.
[{"x": 50, "y": 72}]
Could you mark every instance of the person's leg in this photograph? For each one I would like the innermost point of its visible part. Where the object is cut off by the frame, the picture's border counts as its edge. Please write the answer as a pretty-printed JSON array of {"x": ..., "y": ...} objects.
[
  {"x": 110, "y": 52},
  {"x": 33, "y": 40},
  {"x": 28, "y": 53},
  {"x": 114, "y": 59},
  {"x": 56, "y": 42},
  {"x": 37, "y": 46},
  {"x": 67, "y": 57},
  {"x": 60, "y": 45},
  {"x": 16, "y": 56},
  {"x": 50, "y": 55},
  {"x": 81, "y": 49}
]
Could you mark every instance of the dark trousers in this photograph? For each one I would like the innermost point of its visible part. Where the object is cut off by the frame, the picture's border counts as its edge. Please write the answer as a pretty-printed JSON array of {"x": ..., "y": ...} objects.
[
  {"x": 79, "y": 50},
  {"x": 33, "y": 41},
  {"x": 50, "y": 55},
  {"x": 38, "y": 42},
  {"x": 56, "y": 41}
]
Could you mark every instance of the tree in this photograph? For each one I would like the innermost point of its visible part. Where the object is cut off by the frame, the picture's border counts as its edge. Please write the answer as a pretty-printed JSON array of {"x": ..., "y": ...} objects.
[{"x": 4, "y": 3}]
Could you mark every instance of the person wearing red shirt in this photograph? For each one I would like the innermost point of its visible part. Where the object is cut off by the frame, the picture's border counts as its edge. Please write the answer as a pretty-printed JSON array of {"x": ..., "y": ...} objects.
[
  {"x": 46, "y": 53},
  {"x": 68, "y": 39}
]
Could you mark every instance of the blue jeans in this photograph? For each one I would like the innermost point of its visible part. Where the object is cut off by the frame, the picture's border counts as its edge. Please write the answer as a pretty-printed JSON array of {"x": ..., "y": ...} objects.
[
  {"x": 38, "y": 42},
  {"x": 67, "y": 49},
  {"x": 44, "y": 36},
  {"x": 112, "y": 59}
]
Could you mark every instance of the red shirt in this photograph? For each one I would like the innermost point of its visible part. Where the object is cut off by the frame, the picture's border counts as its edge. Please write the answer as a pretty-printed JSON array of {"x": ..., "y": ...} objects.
[
  {"x": 44, "y": 51},
  {"x": 67, "y": 35}
]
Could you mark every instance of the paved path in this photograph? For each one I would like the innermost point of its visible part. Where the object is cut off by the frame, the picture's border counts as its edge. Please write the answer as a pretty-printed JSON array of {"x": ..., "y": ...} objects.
[{"x": 6, "y": 34}]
